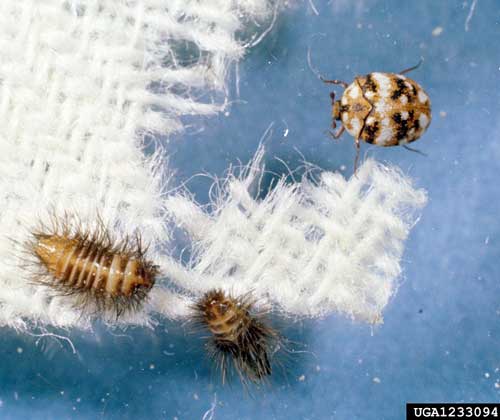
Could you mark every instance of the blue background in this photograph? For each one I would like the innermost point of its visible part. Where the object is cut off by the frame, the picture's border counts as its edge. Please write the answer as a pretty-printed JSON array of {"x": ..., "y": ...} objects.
[{"x": 441, "y": 336}]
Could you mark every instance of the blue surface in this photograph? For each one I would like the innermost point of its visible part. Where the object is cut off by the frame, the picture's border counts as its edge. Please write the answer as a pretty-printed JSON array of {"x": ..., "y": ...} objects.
[{"x": 440, "y": 340}]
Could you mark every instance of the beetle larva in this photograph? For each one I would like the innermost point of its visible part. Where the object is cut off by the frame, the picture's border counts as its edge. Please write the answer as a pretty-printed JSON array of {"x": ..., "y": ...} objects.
[
  {"x": 98, "y": 271},
  {"x": 240, "y": 338}
]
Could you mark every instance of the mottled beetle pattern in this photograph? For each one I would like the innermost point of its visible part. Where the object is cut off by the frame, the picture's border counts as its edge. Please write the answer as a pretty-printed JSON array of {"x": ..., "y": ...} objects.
[{"x": 385, "y": 109}]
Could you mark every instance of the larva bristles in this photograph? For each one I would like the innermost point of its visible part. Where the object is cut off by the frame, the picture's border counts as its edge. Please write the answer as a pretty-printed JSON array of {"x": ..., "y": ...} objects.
[
  {"x": 241, "y": 341},
  {"x": 101, "y": 274}
]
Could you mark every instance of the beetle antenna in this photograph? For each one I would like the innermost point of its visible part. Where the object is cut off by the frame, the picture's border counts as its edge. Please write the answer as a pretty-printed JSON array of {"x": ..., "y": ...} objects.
[
  {"x": 412, "y": 68},
  {"x": 414, "y": 150},
  {"x": 334, "y": 82}
]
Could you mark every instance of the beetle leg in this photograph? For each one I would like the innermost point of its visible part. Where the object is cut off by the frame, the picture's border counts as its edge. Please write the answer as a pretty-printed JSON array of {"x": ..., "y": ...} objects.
[
  {"x": 411, "y": 149},
  {"x": 412, "y": 68},
  {"x": 332, "y": 96},
  {"x": 356, "y": 143},
  {"x": 336, "y": 82},
  {"x": 339, "y": 132}
]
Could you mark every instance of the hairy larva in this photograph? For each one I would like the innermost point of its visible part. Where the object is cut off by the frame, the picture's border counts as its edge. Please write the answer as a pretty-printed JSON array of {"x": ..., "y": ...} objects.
[
  {"x": 241, "y": 340},
  {"x": 101, "y": 273}
]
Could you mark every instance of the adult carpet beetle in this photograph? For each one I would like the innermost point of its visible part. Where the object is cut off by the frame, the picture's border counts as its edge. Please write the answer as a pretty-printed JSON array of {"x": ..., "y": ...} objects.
[{"x": 385, "y": 109}]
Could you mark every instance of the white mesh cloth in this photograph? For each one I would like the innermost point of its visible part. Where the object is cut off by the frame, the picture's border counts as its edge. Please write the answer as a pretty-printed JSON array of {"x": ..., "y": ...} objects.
[
  {"x": 308, "y": 248},
  {"x": 82, "y": 82}
]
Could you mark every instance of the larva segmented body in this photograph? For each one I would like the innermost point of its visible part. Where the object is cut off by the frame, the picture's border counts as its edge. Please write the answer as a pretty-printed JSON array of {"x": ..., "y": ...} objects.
[
  {"x": 240, "y": 339},
  {"x": 94, "y": 268}
]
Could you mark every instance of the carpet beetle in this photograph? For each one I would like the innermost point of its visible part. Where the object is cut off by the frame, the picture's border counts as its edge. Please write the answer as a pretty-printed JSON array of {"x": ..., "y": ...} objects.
[
  {"x": 241, "y": 339},
  {"x": 100, "y": 272},
  {"x": 385, "y": 109}
]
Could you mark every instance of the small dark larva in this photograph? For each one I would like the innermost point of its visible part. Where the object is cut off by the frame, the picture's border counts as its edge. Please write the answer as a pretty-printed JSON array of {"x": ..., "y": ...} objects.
[
  {"x": 98, "y": 271},
  {"x": 240, "y": 339},
  {"x": 384, "y": 109}
]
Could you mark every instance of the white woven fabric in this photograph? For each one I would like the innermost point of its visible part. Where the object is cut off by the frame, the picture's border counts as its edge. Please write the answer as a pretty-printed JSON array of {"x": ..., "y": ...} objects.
[
  {"x": 309, "y": 248},
  {"x": 81, "y": 83}
]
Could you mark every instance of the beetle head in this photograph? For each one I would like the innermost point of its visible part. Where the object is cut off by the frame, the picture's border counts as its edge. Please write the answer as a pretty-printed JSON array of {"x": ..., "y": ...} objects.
[{"x": 335, "y": 110}]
